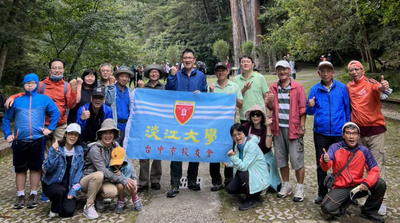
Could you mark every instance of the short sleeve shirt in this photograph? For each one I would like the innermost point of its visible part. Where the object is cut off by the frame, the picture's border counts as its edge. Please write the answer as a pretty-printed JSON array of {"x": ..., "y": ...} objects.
[
  {"x": 230, "y": 88},
  {"x": 255, "y": 94}
]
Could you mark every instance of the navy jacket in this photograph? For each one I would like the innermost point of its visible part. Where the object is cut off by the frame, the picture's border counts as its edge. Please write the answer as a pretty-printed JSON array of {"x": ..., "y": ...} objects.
[{"x": 182, "y": 82}]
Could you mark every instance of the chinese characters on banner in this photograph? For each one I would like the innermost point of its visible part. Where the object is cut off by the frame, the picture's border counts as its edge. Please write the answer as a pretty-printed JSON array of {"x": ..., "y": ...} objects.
[{"x": 180, "y": 126}]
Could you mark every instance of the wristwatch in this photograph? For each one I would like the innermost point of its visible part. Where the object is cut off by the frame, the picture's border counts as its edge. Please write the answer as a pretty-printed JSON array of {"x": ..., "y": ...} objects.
[{"x": 303, "y": 128}]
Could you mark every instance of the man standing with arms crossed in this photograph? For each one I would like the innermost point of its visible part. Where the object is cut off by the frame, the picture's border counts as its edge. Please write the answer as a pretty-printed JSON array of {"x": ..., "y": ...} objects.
[{"x": 192, "y": 80}]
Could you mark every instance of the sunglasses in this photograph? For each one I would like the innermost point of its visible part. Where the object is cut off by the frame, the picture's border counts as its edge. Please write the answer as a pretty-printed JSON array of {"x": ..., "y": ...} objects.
[{"x": 255, "y": 114}]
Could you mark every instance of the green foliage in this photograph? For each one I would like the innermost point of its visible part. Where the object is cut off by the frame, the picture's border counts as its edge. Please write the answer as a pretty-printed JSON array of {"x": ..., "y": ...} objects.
[
  {"x": 221, "y": 49},
  {"x": 247, "y": 48}
]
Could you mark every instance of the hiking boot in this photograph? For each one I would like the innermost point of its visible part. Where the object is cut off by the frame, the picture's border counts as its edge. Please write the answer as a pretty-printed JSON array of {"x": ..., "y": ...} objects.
[
  {"x": 142, "y": 188},
  {"x": 285, "y": 191},
  {"x": 155, "y": 186},
  {"x": 173, "y": 191},
  {"x": 193, "y": 185},
  {"x": 44, "y": 198},
  {"x": 90, "y": 212},
  {"x": 19, "y": 202},
  {"x": 299, "y": 195},
  {"x": 319, "y": 199},
  {"x": 248, "y": 204},
  {"x": 137, "y": 205},
  {"x": 99, "y": 204},
  {"x": 372, "y": 217},
  {"x": 119, "y": 207},
  {"x": 217, "y": 187},
  {"x": 32, "y": 201},
  {"x": 53, "y": 215}
]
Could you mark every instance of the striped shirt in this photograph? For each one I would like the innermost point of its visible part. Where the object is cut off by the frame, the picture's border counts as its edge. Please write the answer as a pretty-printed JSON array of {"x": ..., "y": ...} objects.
[{"x": 284, "y": 105}]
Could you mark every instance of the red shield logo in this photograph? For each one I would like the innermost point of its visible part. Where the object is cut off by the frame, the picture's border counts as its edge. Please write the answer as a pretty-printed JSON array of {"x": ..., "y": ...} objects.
[{"x": 183, "y": 111}]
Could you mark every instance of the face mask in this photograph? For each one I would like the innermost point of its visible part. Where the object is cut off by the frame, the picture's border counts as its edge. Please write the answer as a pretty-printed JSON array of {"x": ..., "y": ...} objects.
[{"x": 56, "y": 78}]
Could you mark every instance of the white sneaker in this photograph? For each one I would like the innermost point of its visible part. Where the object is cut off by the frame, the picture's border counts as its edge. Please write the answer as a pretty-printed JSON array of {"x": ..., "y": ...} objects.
[
  {"x": 90, "y": 212},
  {"x": 299, "y": 194},
  {"x": 285, "y": 191},
  {"x": 53, "y": 215},
  {"x": 382, "y": 210}
]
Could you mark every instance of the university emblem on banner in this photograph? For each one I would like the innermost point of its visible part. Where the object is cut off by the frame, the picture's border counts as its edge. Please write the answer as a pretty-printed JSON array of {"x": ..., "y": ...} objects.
[{"x": 183, "y": 111}]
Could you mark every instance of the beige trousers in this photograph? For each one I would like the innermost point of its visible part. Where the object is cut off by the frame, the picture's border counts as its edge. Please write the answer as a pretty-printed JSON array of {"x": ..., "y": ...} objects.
[{"x": 376, "y": 144}]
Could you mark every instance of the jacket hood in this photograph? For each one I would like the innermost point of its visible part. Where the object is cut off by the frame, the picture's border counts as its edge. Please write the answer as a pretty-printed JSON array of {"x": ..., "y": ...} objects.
[{"x": 31, "y": 77}]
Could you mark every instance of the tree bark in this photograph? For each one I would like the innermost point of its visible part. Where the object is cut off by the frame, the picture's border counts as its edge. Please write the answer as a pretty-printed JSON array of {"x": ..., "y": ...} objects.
[
  {"x": 206, "y": 10},
  {"x": 3, "y": 57}
]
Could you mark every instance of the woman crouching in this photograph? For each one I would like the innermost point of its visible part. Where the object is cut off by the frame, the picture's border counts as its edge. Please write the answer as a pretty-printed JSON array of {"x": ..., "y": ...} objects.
[
  {"x": 250, "y": 169},
  {"x": 63, "y": 169}
]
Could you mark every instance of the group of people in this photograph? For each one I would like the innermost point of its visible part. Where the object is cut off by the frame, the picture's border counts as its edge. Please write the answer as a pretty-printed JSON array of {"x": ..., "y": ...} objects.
[{"x": 84, "y": 151}]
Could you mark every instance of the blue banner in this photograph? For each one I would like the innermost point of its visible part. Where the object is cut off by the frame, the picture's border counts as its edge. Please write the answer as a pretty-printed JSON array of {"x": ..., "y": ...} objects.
[{"x": 179, "y": 126}]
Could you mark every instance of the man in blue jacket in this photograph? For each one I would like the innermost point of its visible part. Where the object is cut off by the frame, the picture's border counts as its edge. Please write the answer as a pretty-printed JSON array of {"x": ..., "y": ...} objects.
[
  {"x": 187, "y": 79},
  {"x": 93, "y": 114},
  {"x": 29, "y": 112},
  {"x": 328, "y": 101}
]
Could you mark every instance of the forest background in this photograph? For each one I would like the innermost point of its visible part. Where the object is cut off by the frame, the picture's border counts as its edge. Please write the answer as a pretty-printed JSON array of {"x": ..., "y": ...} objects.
[{"x": 87, "y": 33}]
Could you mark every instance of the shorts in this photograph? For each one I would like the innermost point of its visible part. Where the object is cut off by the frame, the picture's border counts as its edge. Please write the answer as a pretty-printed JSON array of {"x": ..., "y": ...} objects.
[
  {"x": 292, "y": 147},
  {"x": 28, "y": 155}
]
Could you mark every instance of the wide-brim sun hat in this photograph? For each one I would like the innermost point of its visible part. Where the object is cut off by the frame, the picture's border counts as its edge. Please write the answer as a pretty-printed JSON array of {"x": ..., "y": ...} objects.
[
  {"x": 107, "y": 125},
  {"x": 254, "y": 108},
  {"x": 153, "y": 67},
  {"x": 123, "y": 70}
]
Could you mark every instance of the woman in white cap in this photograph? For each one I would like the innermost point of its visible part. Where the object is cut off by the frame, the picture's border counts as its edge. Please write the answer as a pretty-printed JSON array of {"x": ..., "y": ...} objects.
[
  {"x": 96, "y": 182},
  {"x": 63, "y": 168}
]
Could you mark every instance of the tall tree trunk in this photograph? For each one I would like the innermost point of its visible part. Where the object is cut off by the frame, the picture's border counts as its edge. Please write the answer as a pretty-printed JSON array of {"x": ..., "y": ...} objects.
[
  {"x": 207, "y": 13},
  {"x": 3, "y": 57},
  {"x": 79, "y": 52}
]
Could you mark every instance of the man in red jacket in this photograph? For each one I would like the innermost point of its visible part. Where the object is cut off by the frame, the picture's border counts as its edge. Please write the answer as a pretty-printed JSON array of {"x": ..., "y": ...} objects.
[{"x": 350, "y": 183}]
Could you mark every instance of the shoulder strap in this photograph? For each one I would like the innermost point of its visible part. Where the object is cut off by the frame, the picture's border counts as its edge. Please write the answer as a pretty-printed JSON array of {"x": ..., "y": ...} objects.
[
  {"x": 41, "y": 91},
  {"x": 65, "y": 88},
  {"x": 347, "y": 164}
]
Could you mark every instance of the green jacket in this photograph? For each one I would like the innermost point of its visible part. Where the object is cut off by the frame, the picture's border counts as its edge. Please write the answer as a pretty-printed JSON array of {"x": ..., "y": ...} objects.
[{"x": 254, "y": 162}]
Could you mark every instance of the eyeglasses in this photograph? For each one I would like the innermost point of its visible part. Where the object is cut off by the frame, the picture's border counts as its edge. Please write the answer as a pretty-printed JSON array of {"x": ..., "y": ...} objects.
[
  {"x": 30, "y": 82},
  {"x": 354, "y": 69},
  {"x": 351, "y": 133},
  {"x": 57, "y": 68},
  {"x": 256, "y": 114},
  {"x": 105, "y": 70}
]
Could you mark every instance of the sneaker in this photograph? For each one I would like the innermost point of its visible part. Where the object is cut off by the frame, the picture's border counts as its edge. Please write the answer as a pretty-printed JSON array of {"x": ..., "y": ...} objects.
[
  {"x": 44, "y": 198},
  {"x": 248, "y": 204},
  {"x": 107, "y": 201},
  {"x": 318, "y": 199},
  {"x": 137, "y": 204},
  {"x": 19, "y": 202},
  {"x": 382, "y": 210},
  {"x": 155, "y": 186},
  {"x": 99, "y": 204},
  {"x": 299, "y": 195},
  {"x": 217, "y": 187},
  {"x": 120, "y": 206},
  {"x": 32, "y": 201},
  {"x": 285, "y": 191},
  {"x": 173, "y": 191},
  {"x": 372, "y": 217},
  {"x": 53, "y": 215},
  {"x": 193, "y": 185},
  {"x": 90, "y": 212}
]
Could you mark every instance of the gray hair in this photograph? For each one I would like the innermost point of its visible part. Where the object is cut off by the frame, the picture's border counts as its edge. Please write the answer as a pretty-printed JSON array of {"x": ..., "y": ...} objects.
[{"x": 104, "y": 64}]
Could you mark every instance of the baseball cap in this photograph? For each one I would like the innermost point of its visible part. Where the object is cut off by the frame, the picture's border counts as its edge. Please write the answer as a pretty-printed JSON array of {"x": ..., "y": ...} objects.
[
  {"x": 73, "y": 127},
  {"x": 117, "y": 156},
  {"x": 99, "y": 91},
  {"x": 220, "y": 64},
  {"x": 355, "y": 63},
  {"x": 282, "y": 63},
  {"x": 349, "y": 124},
  {"x": 325, "y": 63}
]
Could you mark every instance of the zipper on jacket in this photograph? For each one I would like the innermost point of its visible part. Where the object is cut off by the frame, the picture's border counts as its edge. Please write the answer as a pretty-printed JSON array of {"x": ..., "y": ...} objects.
[
  {"x": 330, "y": 122},
  {"x": 30, "y": 111}
]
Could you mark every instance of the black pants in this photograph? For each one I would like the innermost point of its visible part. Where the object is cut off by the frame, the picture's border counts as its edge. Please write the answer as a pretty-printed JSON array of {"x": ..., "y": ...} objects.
[
  {"x": 216, "y": 178},
  {"x": 176, "y": 172},
  {"x": 321, "y": 142},
  {"x": 338, "y": 200},
  {"x": 240, "y": 185},
  {"x": 59, "y": 202}
]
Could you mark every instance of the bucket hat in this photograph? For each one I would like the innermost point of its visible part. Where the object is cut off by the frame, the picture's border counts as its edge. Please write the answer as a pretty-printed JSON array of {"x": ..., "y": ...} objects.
[
  {"x": 255, "y": 108},
  {"x": 153, "y": 67},
  {"x": 108, "y": 124},
  {"x": 123, "y": 70}
]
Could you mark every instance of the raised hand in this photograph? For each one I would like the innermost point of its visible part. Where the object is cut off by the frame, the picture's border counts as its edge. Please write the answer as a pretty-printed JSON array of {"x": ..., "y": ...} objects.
[
  {"x": 85, "y": 114},
  {"x": 326, "y": 157},
  {"x": 270, "y": 97},
  {"x": 384, "y": 82},
  {"x": 173, "y": 71},
  {"x": 73, "y": 84},
  {"x": 140, "y": 84},
  {"x": 55, "y": 145},
  {"x": 247, "y": 85},
  {"x": 212, "y": 87},
  {"x": 311, "y": 102},
  {"x": 111, "y": 80},
  {"x": 79, "y": 81}
]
